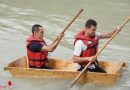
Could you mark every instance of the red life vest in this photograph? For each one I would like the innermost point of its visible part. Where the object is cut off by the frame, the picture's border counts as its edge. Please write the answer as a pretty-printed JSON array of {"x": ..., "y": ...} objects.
[
  {"x": 36, "y": 59},
  {"x": 92, "y": 45}
]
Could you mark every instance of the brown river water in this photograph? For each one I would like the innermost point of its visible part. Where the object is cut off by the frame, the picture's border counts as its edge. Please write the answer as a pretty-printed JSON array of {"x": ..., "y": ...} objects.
[{"x": 18, "y": 16}]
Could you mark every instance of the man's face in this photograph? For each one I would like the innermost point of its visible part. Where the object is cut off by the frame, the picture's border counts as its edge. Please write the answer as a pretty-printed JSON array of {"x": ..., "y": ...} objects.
[
  {"x": 92, "y": 30},
  {"x": 40, "y": 33}
]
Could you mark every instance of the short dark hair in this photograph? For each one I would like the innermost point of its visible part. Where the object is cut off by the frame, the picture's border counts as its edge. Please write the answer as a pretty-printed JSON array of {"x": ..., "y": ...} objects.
[
  {"x": 90, "y": 22},
  {"x": 35, "y": 28}
]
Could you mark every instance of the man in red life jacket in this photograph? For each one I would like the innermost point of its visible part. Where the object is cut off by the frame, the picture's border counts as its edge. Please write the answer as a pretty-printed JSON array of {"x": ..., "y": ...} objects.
[
  {"x": 86, "y": 46},
  {"x": 37, "y": 50}
]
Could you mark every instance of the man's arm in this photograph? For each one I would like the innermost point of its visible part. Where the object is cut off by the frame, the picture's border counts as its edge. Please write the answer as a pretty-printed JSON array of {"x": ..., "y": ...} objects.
[
  {"x": 109, "y": 34},
  {"x": 53, "y": 46},
  {"x": 77, "y": 59}
]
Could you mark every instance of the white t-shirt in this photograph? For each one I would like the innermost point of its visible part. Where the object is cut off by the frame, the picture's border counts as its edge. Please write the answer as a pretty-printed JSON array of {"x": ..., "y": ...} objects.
[{"x": 80, "y": 46}]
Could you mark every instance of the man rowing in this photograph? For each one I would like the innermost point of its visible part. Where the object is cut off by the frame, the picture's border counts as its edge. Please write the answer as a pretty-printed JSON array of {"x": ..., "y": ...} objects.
[
  {"x": 37, "y": 49},
  {"x": 86, "y": 46}
]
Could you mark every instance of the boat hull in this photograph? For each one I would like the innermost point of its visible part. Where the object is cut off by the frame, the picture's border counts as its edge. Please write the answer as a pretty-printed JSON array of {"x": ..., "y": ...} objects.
[{"x": 67, "y": 70}]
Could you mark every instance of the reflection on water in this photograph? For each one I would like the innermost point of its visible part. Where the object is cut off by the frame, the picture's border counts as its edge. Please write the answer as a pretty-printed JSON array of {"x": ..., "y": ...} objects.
[{"x": 17, "y": 17}]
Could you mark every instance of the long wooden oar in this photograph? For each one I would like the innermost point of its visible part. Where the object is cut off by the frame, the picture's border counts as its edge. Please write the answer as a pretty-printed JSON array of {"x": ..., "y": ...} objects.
[
  {"x": 70, "y": 22},
  {"x": 76, "y": 79}
]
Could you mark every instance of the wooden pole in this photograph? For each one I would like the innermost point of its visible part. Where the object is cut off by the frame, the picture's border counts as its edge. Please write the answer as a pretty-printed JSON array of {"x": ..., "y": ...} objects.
[
  {"x": 81, "y": 10},
  {"x": 72, "y": 20},
  {"x": 76, "y": 79}
]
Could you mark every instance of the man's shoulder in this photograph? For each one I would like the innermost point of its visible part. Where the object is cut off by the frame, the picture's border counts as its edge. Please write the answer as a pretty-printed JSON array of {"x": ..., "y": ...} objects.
[
  {"x": 35, "y": 46},
  {"x": 79, "y": 42},
  {"x": 35, "y": 43}
]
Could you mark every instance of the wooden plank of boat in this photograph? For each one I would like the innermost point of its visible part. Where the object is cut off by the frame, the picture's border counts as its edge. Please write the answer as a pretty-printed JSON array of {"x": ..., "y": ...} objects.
[{"x": 66, "y": 69}]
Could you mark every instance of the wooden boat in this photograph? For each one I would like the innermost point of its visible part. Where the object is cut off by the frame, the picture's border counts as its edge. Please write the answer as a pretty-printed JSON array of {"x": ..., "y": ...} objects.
[{"x": 66, "y": 69}]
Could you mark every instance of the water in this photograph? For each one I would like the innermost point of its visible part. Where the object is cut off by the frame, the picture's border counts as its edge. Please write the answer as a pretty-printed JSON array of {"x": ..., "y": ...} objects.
[{"x": 17, "y": 18}]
